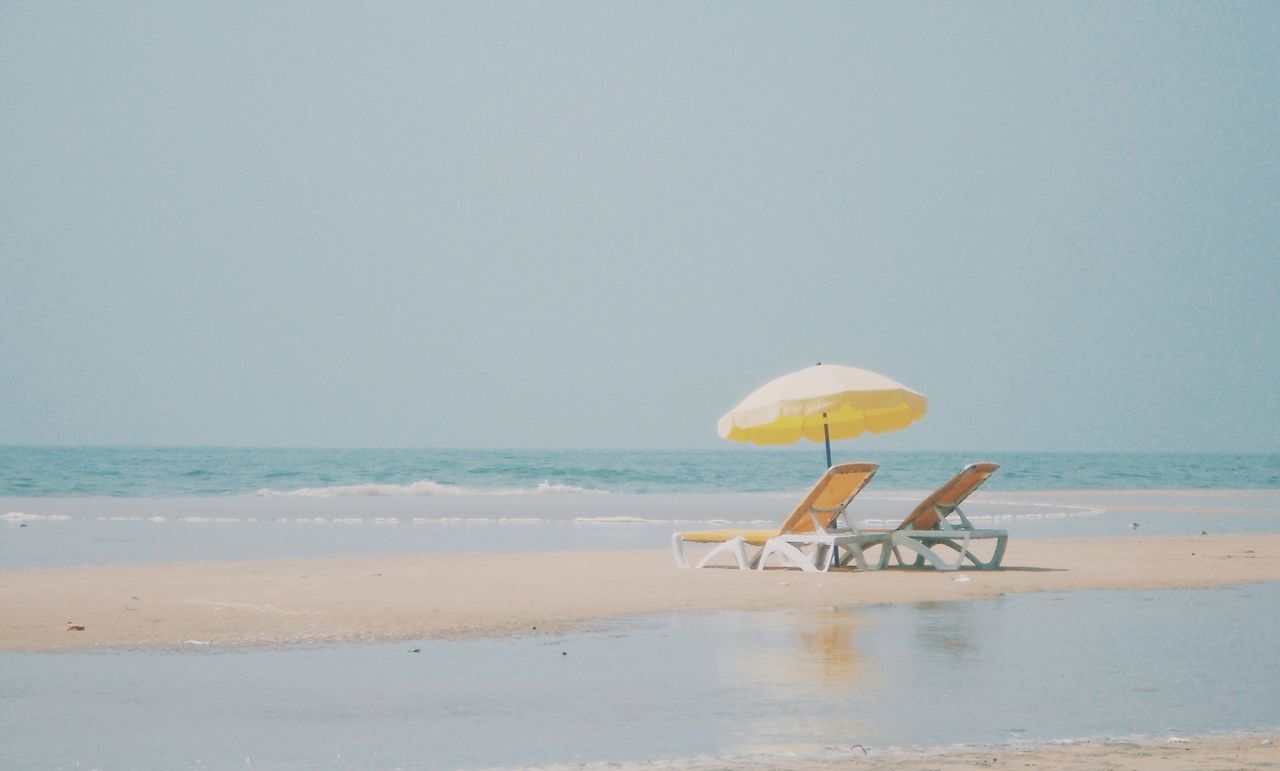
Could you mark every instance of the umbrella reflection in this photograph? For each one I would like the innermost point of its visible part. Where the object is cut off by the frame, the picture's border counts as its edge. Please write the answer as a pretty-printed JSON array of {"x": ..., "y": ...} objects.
[
  {"x": 830, "y": 645},
  {"x": 812, "y": 655},
  {"x": 820, "y": 652}
]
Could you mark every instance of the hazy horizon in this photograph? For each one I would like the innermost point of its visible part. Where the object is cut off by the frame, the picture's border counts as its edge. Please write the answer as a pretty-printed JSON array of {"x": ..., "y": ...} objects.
[
  {"x": 844, "y": 451},
  {"x": 563, "y": 225}
]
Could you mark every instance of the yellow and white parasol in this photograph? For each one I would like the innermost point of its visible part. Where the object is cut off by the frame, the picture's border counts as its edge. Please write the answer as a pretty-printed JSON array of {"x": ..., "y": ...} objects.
[{"x": 821, "y": 403}]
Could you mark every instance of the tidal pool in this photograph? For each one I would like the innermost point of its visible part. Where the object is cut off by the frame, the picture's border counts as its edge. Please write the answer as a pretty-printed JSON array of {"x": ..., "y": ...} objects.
[{"x": 1032, "y": 667}]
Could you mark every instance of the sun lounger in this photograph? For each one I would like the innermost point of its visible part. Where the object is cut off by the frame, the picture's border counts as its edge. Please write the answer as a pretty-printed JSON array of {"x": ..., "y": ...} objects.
[
  {"x": 930, "y": 526},
  {"x": 815, "y": 521}
]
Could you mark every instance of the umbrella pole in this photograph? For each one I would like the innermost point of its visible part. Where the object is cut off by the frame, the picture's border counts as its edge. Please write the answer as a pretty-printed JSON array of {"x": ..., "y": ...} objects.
[{"x": 826, "y": 434}]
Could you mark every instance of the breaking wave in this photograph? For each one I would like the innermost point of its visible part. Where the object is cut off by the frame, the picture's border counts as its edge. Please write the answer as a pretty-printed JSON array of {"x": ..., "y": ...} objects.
[{"x": 429, "y": 487}]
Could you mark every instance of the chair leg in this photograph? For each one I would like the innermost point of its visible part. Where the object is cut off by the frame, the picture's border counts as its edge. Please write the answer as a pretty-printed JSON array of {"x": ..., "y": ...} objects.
[
  {"x": 677, "y": 549},
  {"x": 788, "y": 554},
  {"x": 964, "y": 552},
  {"x": 996, "y": 556},
  {"x": 852, "y": 553},
  {"x": 925, "y": 554},
  {"x": 858, "y": 554},
  {"x": 735, "y": 547},
  {"x": 885, "y": 553}
]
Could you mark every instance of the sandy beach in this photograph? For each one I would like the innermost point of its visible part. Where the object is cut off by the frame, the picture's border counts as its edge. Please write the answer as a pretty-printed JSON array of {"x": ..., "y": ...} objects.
[{"x": 384, "y": 598}]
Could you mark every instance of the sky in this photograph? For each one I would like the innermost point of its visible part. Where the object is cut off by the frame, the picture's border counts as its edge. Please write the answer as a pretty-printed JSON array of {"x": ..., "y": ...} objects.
[{"x": 555, "y": 224}]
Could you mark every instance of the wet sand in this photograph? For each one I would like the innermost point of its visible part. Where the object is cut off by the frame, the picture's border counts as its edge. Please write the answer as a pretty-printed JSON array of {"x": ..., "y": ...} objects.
[
  {"x": 1196, "y": 753},
  {"x": 384, "y": 598},
  {"x": 1181, "y": 754}
]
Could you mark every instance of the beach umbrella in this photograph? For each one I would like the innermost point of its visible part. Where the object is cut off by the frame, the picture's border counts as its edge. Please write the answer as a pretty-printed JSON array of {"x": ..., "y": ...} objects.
[{"x": 821, "y": 403}]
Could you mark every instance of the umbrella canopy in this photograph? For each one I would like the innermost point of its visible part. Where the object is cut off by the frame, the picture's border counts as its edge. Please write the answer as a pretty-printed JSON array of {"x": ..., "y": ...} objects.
[{"x": 821, "y": 403}]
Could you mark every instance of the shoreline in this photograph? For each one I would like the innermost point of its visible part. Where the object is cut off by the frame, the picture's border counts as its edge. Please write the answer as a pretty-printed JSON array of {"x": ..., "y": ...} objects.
[
  {"x": 1235, "y": 750},
  {"x": 366, "y": 599}
]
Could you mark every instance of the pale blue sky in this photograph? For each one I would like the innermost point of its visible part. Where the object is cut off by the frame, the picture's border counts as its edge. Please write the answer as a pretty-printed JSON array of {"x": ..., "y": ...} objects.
[{"x": 602, "y": 224}]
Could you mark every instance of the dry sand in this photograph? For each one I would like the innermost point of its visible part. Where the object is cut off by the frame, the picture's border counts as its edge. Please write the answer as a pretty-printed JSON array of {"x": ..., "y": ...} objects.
[{"x": 372, "y": 598}]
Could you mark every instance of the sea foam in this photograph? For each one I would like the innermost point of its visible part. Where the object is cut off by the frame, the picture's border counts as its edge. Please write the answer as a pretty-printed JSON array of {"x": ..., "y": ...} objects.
[
  {"x": 429, "y": 487},
  {"x": 18, "y": 517}
]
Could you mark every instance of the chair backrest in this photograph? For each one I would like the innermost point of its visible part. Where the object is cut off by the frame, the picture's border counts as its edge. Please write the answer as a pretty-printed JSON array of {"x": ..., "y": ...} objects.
[
  {"x": 947, "y": 498},
  {"x": 829, "y": 497}
]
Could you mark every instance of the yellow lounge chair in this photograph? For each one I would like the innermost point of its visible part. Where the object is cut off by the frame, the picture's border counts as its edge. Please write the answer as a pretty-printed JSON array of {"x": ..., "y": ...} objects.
[
  {"x": 928, "y": 526},
  {"x": 815, "y": 521}
]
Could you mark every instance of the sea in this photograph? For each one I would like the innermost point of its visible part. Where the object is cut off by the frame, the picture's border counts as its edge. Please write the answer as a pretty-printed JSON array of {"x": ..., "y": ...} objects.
[
  {"x": 140, "y": 472},
  {"x": 711, "y": 690},
  {"x": 67, "y": 506}
]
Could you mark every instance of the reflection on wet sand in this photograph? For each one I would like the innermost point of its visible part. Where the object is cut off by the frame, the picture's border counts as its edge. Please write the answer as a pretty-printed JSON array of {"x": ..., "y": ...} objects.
[
  {"x": 811, "y": 656},
  {"x": 821, "y": 650}
]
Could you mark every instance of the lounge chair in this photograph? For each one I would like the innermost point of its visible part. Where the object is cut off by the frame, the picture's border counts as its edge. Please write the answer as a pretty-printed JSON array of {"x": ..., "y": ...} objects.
[
  {"x": 929, "y": 526},
  {"x": 815, "y": 521}
]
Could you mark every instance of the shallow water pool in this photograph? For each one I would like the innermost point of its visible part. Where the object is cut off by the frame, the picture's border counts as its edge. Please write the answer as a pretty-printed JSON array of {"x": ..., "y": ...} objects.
[{"x": 1020, "y": 668}]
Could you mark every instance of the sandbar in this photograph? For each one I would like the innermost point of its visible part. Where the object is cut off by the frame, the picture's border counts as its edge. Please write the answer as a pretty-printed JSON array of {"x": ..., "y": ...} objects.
[{"x": 368, "y": 598}]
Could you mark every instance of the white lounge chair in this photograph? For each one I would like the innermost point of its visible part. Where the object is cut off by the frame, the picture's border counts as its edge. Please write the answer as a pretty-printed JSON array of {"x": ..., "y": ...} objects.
[
  {"x": 930, "y": 526},
  {"x": 815, "y": 522}
]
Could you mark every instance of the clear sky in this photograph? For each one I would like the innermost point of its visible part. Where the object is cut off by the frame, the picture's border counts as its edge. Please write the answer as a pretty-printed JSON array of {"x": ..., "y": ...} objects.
[{"x": 602, "y": 224}]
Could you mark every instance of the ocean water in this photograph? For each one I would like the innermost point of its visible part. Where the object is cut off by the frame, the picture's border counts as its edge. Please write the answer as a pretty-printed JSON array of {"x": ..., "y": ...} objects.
[
  {"x": 43, "y": 532},
  {"x": 705, "y": 690},
  {"x": 85, "y": 506},
  {"x": 150, "y": 472}
]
